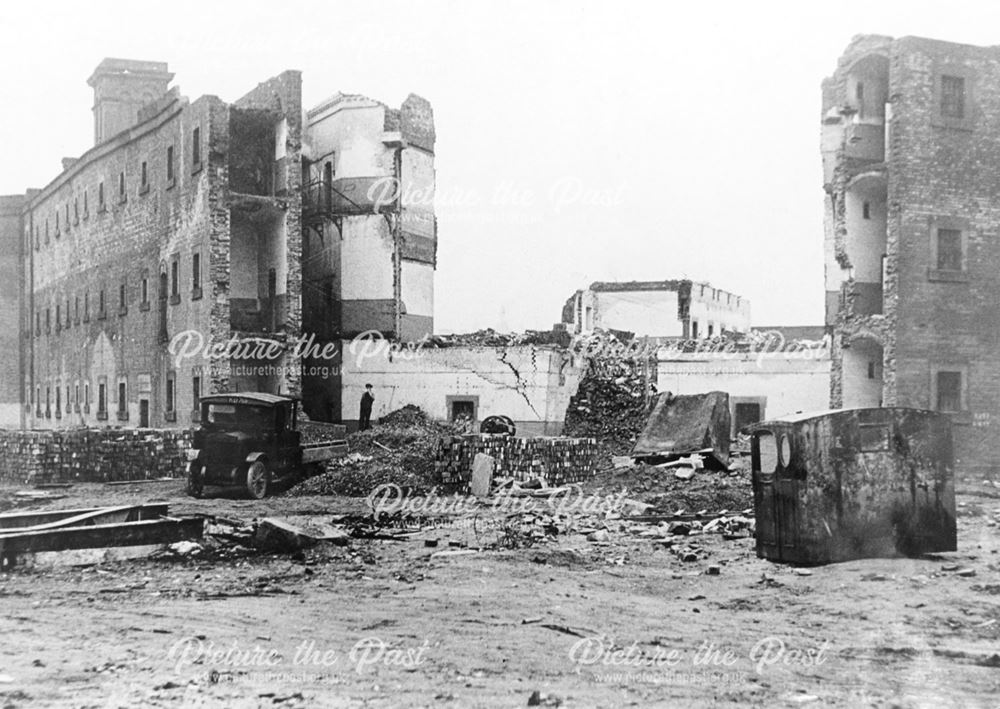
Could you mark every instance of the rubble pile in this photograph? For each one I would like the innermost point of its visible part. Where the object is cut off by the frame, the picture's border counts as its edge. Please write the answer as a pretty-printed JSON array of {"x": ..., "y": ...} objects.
[
  {"x": 555, "y": 460},
  {"x": 491, "y": 338},
  {"x": 92, "y": 455},
  {"x": 319, "y": 432},
  {"x": 611, "y": 403},
  {"x": 669, "y": 487},
  {"x": 399, "y": 448},
  {"x": 630, "y": 519}
]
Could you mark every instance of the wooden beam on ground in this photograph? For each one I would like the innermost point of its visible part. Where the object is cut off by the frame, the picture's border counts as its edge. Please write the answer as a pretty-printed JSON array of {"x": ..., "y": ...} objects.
[
  {"x": 102, "y": 535},
  {"x": 17, "y": 521}
]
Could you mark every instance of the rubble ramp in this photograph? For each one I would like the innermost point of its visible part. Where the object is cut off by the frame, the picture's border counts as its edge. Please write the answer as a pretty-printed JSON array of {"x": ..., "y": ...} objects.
[{"x": 681, "y": 425}]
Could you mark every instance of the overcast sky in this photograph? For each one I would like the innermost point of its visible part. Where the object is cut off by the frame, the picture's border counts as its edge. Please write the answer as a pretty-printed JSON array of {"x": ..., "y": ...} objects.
[{"x": 577, "y": 141}]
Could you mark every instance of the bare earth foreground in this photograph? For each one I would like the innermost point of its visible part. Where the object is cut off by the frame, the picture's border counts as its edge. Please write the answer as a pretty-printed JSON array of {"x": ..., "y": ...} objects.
[{"x": 381, "y": 623}]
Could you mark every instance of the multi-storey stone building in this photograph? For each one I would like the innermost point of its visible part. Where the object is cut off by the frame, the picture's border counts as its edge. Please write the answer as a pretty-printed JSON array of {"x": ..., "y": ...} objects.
[
  {"x": 180, "y": 231},
  {"x": 910, "y": 141},
  {"x": 679, "y": 308}
]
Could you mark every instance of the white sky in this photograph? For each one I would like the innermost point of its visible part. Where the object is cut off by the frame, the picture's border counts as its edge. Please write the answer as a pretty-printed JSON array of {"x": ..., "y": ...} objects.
[{"x": 577, "y": 141}]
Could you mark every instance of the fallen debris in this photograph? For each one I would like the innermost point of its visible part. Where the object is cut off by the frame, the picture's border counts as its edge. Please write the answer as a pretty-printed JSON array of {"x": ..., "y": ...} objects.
[
  {"x": 275, "y": 534},
  {"x": 681, "y": 425},
  {"x": 399, "y": 449},
  {"x": 185, "y": 548},
  {"x": 453, "y": 552},
  {"x": 482, "y": 474}
]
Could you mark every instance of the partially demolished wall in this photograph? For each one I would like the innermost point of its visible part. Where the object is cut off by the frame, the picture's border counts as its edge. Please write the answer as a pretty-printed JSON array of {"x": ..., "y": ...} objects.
[{"x": 92, "y": 455}]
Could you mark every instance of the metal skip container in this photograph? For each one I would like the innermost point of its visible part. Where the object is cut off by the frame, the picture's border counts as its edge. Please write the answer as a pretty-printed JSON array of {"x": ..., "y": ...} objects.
[{"x": 852, "y": 484}]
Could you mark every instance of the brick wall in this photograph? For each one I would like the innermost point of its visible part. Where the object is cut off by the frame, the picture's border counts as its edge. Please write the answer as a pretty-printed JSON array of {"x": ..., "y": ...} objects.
[
  {"x": 10, "y": 314},
  {"x": 556, "y": 460},
  {"x": 92, "y": 455},
  {"x": 944, "y": 173},
  {"x": 100, "y": 248},
  {"x": 938, "y": 171}
]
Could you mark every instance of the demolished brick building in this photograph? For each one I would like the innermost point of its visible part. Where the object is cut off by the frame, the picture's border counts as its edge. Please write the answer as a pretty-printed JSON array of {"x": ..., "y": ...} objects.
[
  {"x": 910, "y": 132},
  {"x": 215, "y": 218}
]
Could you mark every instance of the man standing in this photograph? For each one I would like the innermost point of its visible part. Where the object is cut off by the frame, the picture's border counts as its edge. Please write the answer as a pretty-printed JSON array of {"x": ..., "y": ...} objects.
[{"x": 365, "y": 422}]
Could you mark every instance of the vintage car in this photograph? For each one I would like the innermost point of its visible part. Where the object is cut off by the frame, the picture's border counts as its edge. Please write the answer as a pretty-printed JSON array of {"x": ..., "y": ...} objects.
[
  {"x": 853, "y": 483},
  {"x": 252, "y": 440}
]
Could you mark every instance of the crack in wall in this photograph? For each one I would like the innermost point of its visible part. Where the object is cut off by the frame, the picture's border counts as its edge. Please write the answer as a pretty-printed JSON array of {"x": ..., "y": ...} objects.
[{"x": 521, "y": 387}]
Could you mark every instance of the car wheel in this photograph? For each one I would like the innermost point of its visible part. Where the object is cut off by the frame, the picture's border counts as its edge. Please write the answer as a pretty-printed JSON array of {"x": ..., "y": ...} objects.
[
  {"x": 258, "y": 480},
  {"x": 195, "y": 480}
]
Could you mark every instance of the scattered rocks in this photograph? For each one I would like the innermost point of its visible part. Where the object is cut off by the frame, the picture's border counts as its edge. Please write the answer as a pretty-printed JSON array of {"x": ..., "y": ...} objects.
[
  {"x": 185, "y": 548},
  {"x": 275, "y": 534},
  {"x": 601, "y": 535}
]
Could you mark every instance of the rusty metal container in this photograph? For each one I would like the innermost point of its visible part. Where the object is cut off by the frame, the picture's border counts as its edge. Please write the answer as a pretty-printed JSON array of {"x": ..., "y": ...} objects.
[{"x": 852, "y": 484}]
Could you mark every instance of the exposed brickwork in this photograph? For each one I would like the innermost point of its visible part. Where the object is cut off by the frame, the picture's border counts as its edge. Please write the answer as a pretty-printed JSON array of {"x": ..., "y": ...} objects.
[
  {"x": 107, "y": 278},
  {"x": 937, "y": 174},
  {"x": 136, "y": 235},
  {"x": 11, "y": 313},
  {"x": 92, "y": 455},
  {"x": 555, "y": 460},
  {"x": 125, "y": 225}
]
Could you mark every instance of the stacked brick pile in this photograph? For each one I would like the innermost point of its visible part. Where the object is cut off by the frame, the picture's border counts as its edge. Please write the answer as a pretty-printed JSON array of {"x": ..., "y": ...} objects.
[
  {"x": 92, "y": 455},
  {"x": 556, "y": 460},
  {"x": 141, "y": 455}
]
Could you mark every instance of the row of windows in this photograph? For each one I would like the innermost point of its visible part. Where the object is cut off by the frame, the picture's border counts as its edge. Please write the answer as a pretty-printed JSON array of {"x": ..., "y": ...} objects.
[
  {"x": 78, "y": 398},
  {"x": 68, "y": 317},
  {"x": 710, "y": 332},
  {"x": 61, "y": 217}
]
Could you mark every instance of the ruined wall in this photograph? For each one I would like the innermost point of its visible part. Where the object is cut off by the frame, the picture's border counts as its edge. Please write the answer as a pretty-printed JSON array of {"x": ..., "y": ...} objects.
[
  {"x": 532, "y": 385},
  {"x": 11, "y": 333},
  {"x": 716, "y": 310},
  {"x": 854, "y": 125},
  {"x": 92, "y": 455},
  {"x": 652, "y": 313},
  {"x": 781, "y": 383},
  {"x": 929, "y": 157},
  {"x": 371, "y": 172},
  {"x": 274, "y": 107},
  {"x": 657, "y": 309},
  {"x": 344, "y": 138}
]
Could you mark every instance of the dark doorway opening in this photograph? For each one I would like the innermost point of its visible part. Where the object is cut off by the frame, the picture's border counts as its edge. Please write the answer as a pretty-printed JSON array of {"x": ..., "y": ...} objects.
[{"x": 746, "y": 414}]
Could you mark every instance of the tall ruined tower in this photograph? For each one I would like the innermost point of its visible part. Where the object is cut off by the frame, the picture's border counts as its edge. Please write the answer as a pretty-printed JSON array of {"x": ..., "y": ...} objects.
[
  {"x": 910, "y": 140},
  {"x": 121, "y": 88}
]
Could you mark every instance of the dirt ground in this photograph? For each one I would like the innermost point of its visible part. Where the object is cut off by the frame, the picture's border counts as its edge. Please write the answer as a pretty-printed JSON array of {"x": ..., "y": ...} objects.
[{"x": 387, "y": 623}]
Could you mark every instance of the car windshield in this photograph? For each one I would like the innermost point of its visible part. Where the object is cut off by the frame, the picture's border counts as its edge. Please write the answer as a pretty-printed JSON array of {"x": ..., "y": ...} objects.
[{"x": 243, "y": 416}]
